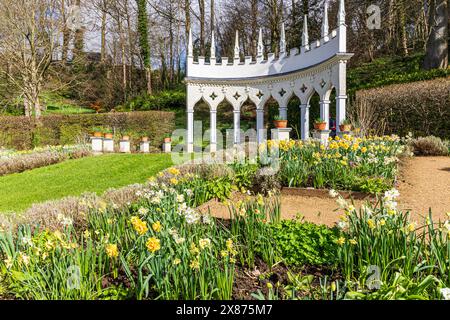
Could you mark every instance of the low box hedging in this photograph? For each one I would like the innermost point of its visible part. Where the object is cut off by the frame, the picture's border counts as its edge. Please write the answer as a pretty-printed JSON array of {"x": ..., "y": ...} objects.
[{"x": 25, "y": 133}]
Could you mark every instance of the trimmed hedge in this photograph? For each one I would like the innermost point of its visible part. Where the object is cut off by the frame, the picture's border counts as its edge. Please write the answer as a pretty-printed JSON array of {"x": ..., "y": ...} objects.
[
  {"x": 24, "y": 133},
  {"x": 422, "y": 108}
]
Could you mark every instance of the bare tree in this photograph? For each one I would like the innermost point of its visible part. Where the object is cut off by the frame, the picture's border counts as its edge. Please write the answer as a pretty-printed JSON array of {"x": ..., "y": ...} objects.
[{"x": 29, "y": 37}]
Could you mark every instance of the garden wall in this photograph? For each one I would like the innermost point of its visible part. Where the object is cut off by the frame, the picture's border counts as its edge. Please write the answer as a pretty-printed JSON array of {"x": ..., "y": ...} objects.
[
  {"x": 24, "y": 133},
  {"x": 422, "y": 108}
]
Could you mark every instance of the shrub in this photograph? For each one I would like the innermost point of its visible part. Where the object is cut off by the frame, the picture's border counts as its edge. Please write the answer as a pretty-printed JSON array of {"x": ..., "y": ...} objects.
[
  {"x": 417, "y": 107},
  {"x": 23, "y": 133},
  {"x": 305, "y": 243},
  {"x": 165, "y": 100},
  {"x": 429, "y": 146}
]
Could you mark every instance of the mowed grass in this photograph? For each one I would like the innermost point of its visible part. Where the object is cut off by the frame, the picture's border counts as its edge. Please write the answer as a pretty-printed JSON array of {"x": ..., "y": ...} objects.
[{"x": 74, "y": 177}]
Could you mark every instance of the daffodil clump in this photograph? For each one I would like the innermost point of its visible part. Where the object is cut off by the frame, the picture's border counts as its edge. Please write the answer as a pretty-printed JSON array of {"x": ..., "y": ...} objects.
[
  {"x": 348, "y": 163},
  {"x": 380, "y": 237},
  {"x": 160, "y": 244}
]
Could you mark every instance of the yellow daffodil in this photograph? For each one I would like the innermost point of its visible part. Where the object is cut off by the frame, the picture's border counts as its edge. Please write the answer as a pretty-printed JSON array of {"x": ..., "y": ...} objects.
[
  {"x": 341, "y": 241},
  {"x": 153, "y": 244},
  {"x": 112, "y": 251},
  {"x": 204, "y": 243},
  {"x": 157, "y": 226},
  {"x": 139, "y": 226},
  {"x": 371, "y": 224},
  {"x": 195, "y": 264}
]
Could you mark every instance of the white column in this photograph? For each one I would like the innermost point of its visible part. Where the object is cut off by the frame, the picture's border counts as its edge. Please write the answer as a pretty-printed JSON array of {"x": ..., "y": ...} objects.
[
  {"x": 325, "y": 112},
  {"x": 283, "y": 111},
  {"x": 237, "y": 126},
  {"x": 304, "y": 121},
  {"x": 341, "y": 93},
  {"x": 260, "y": 124},
  {"x": 341, "y": 102},
  {"x": 213, "y": 139},
  {"x": 190, "y": 131}
]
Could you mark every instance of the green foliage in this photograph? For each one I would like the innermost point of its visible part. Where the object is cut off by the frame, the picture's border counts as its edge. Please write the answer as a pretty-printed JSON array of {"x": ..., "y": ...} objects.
[
  {"x": 244, "y": 175},
  {"x": 305, "y": 243},
  {"x": 390, "y": 70},
  {"x": 220, "y": 189},
  {"x": 23, "y": 133},
  {"x": 374, "y": 185},
  {"x": 164, "y": 100}
]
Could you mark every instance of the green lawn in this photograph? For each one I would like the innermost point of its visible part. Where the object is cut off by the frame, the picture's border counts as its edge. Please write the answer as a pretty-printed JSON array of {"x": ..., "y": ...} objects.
[{"x": 74, "y": 177}]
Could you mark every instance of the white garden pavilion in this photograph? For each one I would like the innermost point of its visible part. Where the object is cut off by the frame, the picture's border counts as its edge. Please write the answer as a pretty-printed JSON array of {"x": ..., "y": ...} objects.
[{"x": 318, "y": 66}]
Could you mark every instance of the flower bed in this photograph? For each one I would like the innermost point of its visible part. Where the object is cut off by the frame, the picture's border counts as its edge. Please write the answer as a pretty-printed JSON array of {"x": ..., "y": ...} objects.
[
  {"x": 149, "y": 242},
  {"x": 18, "y": 161},
  {"x": 356, "y": 164}
]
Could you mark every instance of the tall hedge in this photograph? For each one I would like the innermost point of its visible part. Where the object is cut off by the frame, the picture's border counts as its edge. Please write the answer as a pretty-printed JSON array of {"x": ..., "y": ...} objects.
[
  {"x": 422, "y": 108},
  {"x": 23, "y": 133}
]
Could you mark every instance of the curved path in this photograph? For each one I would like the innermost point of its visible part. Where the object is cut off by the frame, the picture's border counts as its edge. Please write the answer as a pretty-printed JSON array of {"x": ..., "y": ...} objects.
[{"x": 424, "y": 183}]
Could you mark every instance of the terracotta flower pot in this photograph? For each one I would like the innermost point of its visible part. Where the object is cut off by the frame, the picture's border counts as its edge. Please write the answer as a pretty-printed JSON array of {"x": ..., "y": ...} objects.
[
  {"x": 144, "y": 139},
  {"x": 98, "y": 134},
  {"x": 167, "y": 140},
  {"x": 125, "y": 138},
  {"x": 345, "y": 127},
  {"x": 280, "y": 123},
  {"x": 108, "y": 135},
  {"x": 320, "y": 126}
]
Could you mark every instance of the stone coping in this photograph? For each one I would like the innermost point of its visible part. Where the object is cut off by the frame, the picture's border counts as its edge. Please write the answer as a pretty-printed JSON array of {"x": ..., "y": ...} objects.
[{"x": 324, "y": 193}]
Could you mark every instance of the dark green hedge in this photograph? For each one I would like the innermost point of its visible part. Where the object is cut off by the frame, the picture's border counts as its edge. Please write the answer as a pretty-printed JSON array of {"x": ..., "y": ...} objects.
[{"x": 24, "y": 133}]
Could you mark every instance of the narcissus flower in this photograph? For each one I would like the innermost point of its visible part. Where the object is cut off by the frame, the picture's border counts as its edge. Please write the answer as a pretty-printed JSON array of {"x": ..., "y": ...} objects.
[
  {"x": 153, "y": 244},
  {"x": 157, "y": 226},
  {"x": 139, "y": 226},
  {"x": 111, "y": 250}
]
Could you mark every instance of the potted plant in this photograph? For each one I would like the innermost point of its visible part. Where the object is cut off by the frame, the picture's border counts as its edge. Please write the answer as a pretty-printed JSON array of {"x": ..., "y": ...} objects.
[
  {"x": 167, "y": 138},
  {"x": 125, "y": 136},
  {"x": 108, "y": 133},
  {"x": 345, "y": 126},
  {"x": 279, "y": 122},
  {"x": 97, "y": 132},
  {"x": 320, "y": 124}
]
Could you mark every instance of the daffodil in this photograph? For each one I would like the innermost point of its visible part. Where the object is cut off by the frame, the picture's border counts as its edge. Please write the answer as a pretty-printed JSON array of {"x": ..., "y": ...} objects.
[
  {"x": 153, "y": 244},
  {"x": 111, "y": 250},
  {"x": 341, "y": 241},
  {"x": 157, "y": 226},
  {"x": 139, "y": 226}
]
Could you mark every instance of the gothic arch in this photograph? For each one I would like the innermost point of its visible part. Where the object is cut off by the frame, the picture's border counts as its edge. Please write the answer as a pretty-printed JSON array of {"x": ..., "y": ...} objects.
[{"x": 317, "y": 66}]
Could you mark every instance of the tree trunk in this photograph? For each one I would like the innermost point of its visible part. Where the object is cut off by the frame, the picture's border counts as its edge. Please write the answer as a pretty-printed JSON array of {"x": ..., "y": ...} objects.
[
  {"x": 437, "y": 46},
  {"x": 201, "y": 4},
  {"x": 144, "y": 42},
  {"x": 103, "y": 36}
]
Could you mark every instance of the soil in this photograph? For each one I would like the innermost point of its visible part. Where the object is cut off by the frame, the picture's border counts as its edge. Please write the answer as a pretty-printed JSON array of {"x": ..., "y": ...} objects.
[{"x": 424, "y": 183}]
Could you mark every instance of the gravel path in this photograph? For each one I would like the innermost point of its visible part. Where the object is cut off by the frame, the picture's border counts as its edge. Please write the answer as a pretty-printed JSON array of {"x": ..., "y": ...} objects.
[{"x": 423, "y": 183}]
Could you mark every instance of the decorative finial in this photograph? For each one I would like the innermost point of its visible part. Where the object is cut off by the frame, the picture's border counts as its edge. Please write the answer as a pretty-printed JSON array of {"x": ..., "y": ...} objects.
[
  {"x": 341, "y": 14},
  {"x": 190, "y": 45},
  {"x": 236, "y": 46},
  {"x": 260, "y": 44},
  {"x": 325, "y": 29},
  {"x": 213, "y": 46},
  {"x": 283, "y": 40},
  {"x": 305, "y": 37}
]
